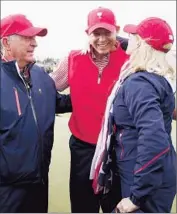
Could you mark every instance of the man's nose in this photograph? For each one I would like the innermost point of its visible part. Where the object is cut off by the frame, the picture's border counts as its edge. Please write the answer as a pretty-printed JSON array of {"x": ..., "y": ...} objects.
[
  {"x": 102, "y": 37},
  {"x": 34, "y": 42}
]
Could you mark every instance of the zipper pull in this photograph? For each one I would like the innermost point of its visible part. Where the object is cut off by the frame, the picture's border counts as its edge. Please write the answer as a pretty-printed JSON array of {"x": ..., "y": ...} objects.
[
  {"x": 120, "y": 135},
  {"x": 28, "y": 91},
  {"x": 99, "y": 78}
]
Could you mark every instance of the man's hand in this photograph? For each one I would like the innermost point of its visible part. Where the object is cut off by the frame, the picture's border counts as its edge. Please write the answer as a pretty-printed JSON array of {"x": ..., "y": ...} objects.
[{"x": 126, "y": 206}]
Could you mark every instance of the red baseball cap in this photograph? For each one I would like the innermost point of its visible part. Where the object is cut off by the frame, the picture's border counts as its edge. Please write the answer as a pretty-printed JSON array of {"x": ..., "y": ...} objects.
[
  {"x": 101, "y": 18},
  {"x": 155, "y": 31},
  {"x": 18, "y": 24}
]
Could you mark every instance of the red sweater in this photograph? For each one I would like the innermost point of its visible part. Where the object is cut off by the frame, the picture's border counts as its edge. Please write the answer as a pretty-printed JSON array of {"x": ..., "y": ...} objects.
[{"x": 88, "y": 97}]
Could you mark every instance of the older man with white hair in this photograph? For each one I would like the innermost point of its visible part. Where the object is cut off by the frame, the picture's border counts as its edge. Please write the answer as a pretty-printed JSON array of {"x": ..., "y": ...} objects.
[{"x": 28, "y": 104}]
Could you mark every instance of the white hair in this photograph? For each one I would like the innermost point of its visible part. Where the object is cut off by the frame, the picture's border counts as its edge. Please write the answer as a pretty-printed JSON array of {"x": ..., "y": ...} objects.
[{"x": 10, "y": 38}]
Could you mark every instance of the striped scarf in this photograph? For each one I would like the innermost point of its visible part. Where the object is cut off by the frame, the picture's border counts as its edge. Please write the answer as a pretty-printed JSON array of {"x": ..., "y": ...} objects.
[{"x": 101, "y": 169}]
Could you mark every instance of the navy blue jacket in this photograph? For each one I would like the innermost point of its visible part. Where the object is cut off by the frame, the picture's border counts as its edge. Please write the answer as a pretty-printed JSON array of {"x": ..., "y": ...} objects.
[
  {"x": 123, "y": 42},
  {"x": 142, "y": 113},
  {"x": 27, "y": 115}
]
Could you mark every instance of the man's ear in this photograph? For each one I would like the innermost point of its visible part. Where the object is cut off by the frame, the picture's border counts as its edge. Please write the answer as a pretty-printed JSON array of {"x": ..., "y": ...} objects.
[{"x": 6, "y": 43}]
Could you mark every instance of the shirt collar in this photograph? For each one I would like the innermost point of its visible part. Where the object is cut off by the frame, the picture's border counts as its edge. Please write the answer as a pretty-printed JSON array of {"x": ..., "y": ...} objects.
[{"x": 93, "y": 56}]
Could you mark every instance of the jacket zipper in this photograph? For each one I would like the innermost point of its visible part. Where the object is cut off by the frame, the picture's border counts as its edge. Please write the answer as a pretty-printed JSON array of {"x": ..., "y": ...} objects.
[
  {"x": 27, "y": 86},
  {"x": 37, "y": 126},
  {"x": 120, "y": 142},
  {"x": 99, "y": 72},
  {"x": 99, "y": 77}
]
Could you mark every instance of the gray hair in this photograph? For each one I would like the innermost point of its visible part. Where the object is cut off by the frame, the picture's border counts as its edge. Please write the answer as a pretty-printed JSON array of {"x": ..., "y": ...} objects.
[{"x": 10, "y": 38}]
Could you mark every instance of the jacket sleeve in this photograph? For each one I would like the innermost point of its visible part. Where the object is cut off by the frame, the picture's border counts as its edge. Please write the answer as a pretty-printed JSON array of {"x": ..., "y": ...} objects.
[
  {"x": 63, "y": 103},
  {"x": 123, "y": 42},
  {"x": 143, "y": 102}
]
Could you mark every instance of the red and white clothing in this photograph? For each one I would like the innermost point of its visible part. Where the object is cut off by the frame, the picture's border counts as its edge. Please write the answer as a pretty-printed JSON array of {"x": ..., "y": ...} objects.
[{"x": 90, "y": 80}]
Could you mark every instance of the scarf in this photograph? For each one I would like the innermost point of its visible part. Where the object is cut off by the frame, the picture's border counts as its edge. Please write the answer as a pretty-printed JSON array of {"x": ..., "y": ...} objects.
[{"x": 101, "y": 168}]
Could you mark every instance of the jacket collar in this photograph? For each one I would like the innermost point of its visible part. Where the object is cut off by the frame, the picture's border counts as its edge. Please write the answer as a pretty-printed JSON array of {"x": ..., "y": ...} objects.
[
  {"x": 11, "y": 65},
  {"x": 12, "y": 69}
]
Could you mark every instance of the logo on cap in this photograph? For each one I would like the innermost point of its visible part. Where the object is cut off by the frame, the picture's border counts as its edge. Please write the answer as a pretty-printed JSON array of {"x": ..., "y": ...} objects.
[{"x": 99, "y": 14}]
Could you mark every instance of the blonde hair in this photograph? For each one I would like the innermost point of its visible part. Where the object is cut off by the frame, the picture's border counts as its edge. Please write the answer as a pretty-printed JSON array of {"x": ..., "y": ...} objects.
[{"x": 144, "y": 57}]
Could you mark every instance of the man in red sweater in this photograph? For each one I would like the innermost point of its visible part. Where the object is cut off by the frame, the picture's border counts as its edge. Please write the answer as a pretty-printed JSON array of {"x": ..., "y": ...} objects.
[{"x": 90, "y": 76}]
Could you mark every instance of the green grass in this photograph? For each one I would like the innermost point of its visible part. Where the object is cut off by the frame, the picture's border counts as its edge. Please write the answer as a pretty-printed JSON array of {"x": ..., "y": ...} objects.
[{"x": 59, "y": 171}]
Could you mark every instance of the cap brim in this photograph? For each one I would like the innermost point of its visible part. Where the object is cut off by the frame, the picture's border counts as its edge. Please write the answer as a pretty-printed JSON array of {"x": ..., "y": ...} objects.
[
  {"x": 33, "y": 31},
  {"x": 130, "y": 29},
  {"x": 106, "y": 26}
]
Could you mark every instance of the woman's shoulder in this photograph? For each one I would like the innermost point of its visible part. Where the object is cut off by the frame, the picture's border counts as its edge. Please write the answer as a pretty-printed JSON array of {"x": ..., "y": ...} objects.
[{"x": 143, "y": 79}]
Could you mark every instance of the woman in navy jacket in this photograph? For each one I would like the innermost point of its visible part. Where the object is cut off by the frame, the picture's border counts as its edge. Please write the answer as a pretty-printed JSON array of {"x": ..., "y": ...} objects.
[{"x": 140, "y": 109}]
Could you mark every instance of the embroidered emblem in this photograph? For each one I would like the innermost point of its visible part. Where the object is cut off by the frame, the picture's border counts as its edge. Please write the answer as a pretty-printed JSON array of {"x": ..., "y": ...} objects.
[{"x": 99, "y": 14}]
